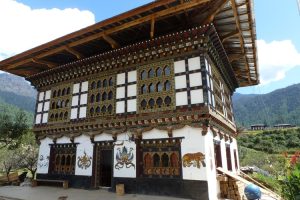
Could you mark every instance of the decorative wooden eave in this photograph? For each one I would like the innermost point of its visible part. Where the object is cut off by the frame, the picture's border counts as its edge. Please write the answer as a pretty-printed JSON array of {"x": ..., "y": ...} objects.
[{"x": 152, "y": 20}]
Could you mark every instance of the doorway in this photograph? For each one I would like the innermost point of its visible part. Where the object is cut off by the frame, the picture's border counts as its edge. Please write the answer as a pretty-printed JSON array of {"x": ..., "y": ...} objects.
[{"x": 105, "y": 174}]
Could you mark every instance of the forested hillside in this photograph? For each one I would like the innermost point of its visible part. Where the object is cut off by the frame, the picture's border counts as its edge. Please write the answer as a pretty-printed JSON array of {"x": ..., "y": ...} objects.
[{"x": 279, "y": 106}]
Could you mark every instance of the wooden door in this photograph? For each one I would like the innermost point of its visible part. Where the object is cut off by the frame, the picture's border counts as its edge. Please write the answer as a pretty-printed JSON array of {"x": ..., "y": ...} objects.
[{"x": 106, "y": 166}]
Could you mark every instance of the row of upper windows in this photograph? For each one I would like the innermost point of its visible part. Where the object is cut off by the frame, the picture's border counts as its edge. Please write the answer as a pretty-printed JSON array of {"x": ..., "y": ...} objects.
[
  {"x": 159, "y": 87},
  {"x": 166, "y": 71},
  {"x": 59, "y": 92},
  {"x": 98, "y": 97},
  {"x": 104, "y": 83}
]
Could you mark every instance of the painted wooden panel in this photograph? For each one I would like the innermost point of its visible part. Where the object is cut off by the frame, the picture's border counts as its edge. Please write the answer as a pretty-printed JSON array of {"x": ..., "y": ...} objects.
[
  {"x": 120, "y": 108},
  {"x": 179, "y": 66},
  {"x": 180, "y": 82},
  {"x": 131, "y": 90},
  {"x": 181, "y": 98},
  {"x": 194, "y": 63},
  {"x": 195, "y": 79},
  {"x": 197, "y": 96},
  {"x": 132, "y": 76},
  {"x": 131, "y": 105},
  {"x": 121, "y": 79}
]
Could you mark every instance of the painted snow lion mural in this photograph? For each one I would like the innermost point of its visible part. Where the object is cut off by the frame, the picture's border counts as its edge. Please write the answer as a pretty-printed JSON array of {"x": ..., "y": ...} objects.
[{"x": 193, "y": 159}]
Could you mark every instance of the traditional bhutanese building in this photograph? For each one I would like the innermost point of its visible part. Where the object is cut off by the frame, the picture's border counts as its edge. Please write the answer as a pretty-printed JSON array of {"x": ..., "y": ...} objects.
[{"x": 144, "y": 98}]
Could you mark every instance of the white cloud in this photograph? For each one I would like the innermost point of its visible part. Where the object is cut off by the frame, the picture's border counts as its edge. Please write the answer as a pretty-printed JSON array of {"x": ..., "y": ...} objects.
[
  {"x": 23, "y": 28},
  {"x": 275, "y": 59}
]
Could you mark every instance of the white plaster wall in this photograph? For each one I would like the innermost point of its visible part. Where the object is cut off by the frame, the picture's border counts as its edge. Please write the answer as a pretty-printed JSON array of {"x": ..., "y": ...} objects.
[
  {"x": 75, "y": 88},
  {"x": 132, "y": 76},
  {"x": 38, "y": 118},
  {"x": 120, "y": 92},
  {"x": 74, "y": 113},
  {"x": 180, "y": 82},
  {"x": 121, "y": 79},
  {"x": 46, "y": 106},
  {"x": 120, "y": 108},
  {"x": 197, "y": 96},
  {"x": 83, "y": 99},
  {"x": 75, "y": 100},
  {"x": 48, "y": 95},
  {"x": 131, "y": 105},
  {"x": 45, "y": 118},
  {"x": 44, "y": 156},
  {"x": 40, "y": 107},
  {"x": 195, "y": 79},
  {"x": 103, "y": 137},
  {"x": 82, "y": 112},
  {"x": 155, "y": 134},
  {"x": 194, "y": 63},
  {"x": 63, "y": 140},
  {"x": 41, "y": 96},
  {"x": 131, "y": 90},
  {"x": 127, "y": 171},
  {"x": 213, "y": 184},
  {"x": 84, "y": 148},
  {"x": 193, "y": 142},
  {"x": 84, "y": 86}
]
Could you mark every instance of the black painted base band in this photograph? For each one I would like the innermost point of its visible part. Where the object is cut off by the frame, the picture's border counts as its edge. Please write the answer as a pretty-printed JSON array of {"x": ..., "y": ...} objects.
[
  {"x": 166, "y": 187},
  {"x": 84, "y": 182}
]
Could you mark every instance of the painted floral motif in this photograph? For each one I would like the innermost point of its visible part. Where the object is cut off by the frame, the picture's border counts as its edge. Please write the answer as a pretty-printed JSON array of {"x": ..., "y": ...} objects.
[
  {"x": 43, "y": 162},
  {"x": 84, "y": 161},
  {"x": 195, "y": 159},
  {"x": 124, "y": 158}
]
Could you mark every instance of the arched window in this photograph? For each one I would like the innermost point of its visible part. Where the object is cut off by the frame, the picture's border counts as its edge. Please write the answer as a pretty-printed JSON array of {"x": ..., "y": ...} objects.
[
  {"x": 144, "y": 104},
  {"x": 98, "y": 97},
  {"x": 63, "y": 92},
  {"x": 159, "y": 101},
  {"x": 151, "y": 103},
  {"x": 168, "y": 100},
  {"x": 53, "y": 105},
  {"x": 156, "y": 160},
  {"x": 67, "y": 103},
  {"x": 143, "y": 75},
  {"x": 167, "y": 70},
  {"x": 151, "y": 73},
  {"x": 159, "y": 87},
  {"x": 99, "y": 84},
  {"x": 158, "y": 72},
  {"x": 165, "y": 160},
  {"x": 54, "y": 94},
  {"x": 174, "y": 160},
  {"x": 167, "y": 85},
  {"x": 147, "y": 161},
  {"x": 68, "y": 90},
  {"x": 104, "y": 83},
  {"x": 110, "y": 95},
  {"x": 68, "y": 162},
  {"x": 61, "y": 115},
  {"x": 98, "y": 109},
  {"x": 103, "y": 109},
  {"x": 93, "y": 85},
  {"x": 59, "y": 92},
  {"x": 92, "y": 111},
  {"x": 109, "y": 108},
  {"x": 144, "y": 89},
  {"x": 92, "y": 98},
  {"x": 52, "y": 117},
  {"x": 73, "y": 160},
  {"x": 66, "y": 115},
  {"x": 110, "y": 82},
  {"x": 62, "y": 104},
  {"x": 63, "y": 160},
  {"x": 104, "y": 96},
  {"x": 151, "y": 88},
  {"x": 56, "y": 116},
  {"x": 57, "y": 160},
  {"x": 58, "y": 104}
]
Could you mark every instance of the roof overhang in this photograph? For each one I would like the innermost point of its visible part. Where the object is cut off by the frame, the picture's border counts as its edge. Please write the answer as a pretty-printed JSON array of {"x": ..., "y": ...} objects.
[{"x": 233, "y": 20}]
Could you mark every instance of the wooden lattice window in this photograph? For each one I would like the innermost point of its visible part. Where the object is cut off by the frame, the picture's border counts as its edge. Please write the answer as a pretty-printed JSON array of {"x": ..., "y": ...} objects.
[
  {"x": 160, "y": 158},
  {"x": 63, "y": 159}
]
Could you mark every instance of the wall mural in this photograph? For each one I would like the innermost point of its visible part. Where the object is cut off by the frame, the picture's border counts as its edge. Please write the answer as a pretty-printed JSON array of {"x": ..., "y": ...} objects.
[
  {"x": 195, "y": 159},
  {"x": 124, "y": 158},
  {"x": 43, "y": 162},
  {"x": 84, "y": 161}
]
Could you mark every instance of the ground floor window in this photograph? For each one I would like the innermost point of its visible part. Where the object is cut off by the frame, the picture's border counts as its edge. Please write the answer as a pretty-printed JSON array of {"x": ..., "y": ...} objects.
[
  {"x": 160, "y": 158},
  {"x": 63, "y": 158},
  {"x": 228, "y": 156},
  {"x": 218, "y": 155}
]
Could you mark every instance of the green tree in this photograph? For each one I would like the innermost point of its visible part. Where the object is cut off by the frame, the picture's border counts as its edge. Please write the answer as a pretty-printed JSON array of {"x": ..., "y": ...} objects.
[{"x": 12, "y": 129}]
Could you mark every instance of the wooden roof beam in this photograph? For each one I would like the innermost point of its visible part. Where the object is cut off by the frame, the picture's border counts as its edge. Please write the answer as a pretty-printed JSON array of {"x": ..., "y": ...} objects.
[
  {"x": 230, "y": 35},
  {"x": 74, "y": 52},
  {"x": 237, "y": 21},
  {"x": 43, "y": 62},
  {"x": 152, "y": 28},
  {"x": 156, "y": 15},
  {"x": 214, "y": 11},
  {"x": 114, "y": 44},
  {"x": 235, "y": 57}
]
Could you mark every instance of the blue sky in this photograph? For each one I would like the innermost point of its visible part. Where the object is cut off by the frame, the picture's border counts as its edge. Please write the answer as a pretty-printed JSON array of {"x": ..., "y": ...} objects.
[{"x": 277, "y": 27}]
